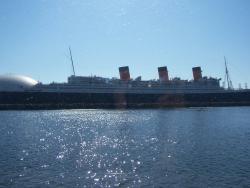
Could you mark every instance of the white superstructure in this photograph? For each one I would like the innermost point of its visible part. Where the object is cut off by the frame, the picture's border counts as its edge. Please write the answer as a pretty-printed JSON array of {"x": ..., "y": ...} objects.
[{"x": 82, "y": 84}]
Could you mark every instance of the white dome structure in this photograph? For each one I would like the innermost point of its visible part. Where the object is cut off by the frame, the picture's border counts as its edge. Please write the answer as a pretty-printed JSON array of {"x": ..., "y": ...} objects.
[{"x": 16, "y": 83}]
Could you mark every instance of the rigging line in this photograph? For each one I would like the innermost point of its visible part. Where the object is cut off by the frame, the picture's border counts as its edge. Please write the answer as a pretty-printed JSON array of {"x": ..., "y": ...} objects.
[
  {"x": 227, "y": 76},
  {"x": 238, "y": 72}
]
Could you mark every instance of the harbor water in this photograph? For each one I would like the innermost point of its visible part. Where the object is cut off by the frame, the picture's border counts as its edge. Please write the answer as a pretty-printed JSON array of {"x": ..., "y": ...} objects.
[{"x": 183, "y": 147}]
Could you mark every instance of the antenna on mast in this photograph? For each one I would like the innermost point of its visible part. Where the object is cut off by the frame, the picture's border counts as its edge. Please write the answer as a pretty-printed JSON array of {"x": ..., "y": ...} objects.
[
  {"x": 227, "y": 76},
  {"x": 72, "y": 62}
]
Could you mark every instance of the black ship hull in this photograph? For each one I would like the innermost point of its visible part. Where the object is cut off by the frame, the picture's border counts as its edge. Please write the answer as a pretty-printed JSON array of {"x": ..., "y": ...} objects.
[{"x": 61, "y": 100}]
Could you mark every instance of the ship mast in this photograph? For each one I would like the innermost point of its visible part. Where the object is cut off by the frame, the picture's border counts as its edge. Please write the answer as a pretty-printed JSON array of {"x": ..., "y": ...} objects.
[
  {"x": 72, "y": 62},
  {"x": 227, "y": 76}
]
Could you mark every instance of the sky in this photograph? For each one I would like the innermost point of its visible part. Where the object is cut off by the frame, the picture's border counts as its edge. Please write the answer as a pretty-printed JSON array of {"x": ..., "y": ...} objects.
[{"x": 142, "y": 34}]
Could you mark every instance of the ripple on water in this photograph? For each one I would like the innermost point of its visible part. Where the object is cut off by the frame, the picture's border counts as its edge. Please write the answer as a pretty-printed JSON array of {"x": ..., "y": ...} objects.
[{"x": 126, "y": 148}]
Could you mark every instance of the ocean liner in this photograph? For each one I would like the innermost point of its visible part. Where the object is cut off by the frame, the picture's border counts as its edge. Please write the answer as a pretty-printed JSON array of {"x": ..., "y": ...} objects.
[{"x": 20, "y": 92}]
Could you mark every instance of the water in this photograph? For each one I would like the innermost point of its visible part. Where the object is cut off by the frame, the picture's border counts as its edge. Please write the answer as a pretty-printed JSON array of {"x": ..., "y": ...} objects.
[{"x": 194, "y": 147}]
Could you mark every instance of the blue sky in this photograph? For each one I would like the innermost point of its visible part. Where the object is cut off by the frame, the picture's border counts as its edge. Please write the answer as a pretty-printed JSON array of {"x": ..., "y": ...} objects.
[{"x": 106, "y": 34}]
